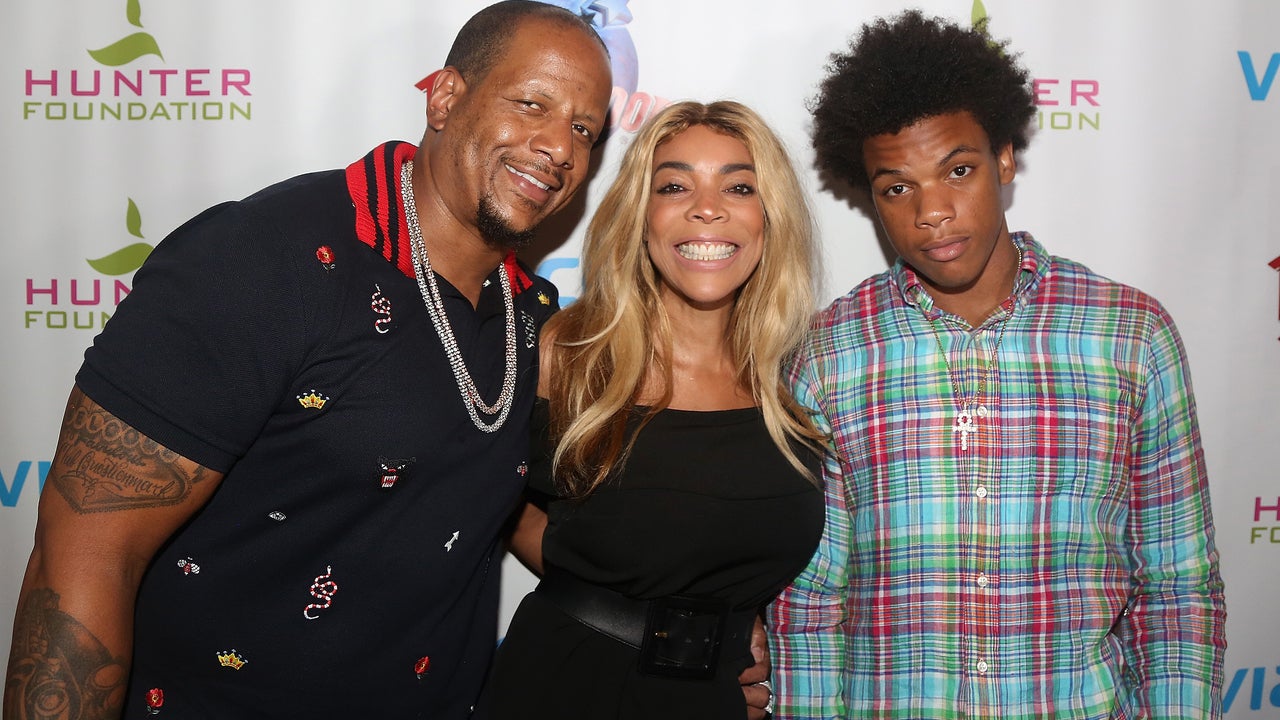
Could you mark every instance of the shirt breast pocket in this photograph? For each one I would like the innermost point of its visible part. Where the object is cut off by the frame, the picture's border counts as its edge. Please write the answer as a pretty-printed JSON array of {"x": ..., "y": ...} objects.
[{"x": 1082, "y": 433}]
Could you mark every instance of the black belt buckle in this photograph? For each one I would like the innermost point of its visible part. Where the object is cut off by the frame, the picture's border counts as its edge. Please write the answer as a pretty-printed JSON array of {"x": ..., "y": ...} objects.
[{"x": 682, "y": 637}]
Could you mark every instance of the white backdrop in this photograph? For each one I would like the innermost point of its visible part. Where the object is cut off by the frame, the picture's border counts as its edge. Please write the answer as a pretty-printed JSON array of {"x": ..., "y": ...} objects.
[{"x": 1156, "y": 164}]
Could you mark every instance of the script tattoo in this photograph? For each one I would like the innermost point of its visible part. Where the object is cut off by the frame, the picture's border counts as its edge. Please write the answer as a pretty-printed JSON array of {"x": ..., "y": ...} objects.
[
  {"x": 58, "y": 670},
  {"x": 102, "y": 464}
]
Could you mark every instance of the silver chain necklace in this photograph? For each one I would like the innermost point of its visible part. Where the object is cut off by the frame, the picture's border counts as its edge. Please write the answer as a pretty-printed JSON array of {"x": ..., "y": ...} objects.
[
  {"x": 435, "y": 308},
  {"x": 965, "y": 423}
]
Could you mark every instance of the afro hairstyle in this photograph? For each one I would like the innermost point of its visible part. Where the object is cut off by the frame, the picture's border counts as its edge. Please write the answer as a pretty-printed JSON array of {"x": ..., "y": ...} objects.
[{"x": 900, "y": 71}]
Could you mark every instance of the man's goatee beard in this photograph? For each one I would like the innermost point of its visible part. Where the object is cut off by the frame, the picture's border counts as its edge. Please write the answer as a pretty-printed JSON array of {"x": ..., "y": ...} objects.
[{"x": 497, "y": 232}]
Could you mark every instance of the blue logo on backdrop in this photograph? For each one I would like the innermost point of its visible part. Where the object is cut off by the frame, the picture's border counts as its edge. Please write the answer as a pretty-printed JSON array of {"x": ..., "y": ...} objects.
[
  {"x": 1258, "y": 89},
  {"x": 11, "y": 488},
  {"x": 610, "y": 18},
  {"x": 1253, "y": 691}
]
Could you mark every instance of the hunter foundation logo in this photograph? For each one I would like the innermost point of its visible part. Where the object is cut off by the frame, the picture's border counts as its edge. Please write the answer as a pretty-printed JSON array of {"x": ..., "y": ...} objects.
[
  {"x": 1064, "y": 103},
  {"x": 77, "y": 303},
  {"x": 1266, "y": 521},
  {"x": 113, "y": 91}
]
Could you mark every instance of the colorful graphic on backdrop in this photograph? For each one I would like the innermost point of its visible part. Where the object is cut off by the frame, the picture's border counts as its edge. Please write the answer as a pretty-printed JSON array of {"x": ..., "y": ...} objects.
[
  {"x": 1065, "y": 103},
  {"x": 86, "y": 297},
  {"x": 628, "y": 108},
  {"x": 128, "y": 258},
  {"x": 150, "y": 94},
  {"x": 609, "y": 18},
  {"x": 128, "y": 49}
]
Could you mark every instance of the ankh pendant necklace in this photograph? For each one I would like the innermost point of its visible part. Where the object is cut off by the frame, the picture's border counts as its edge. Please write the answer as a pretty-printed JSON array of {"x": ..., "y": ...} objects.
[
  {"x": 966, "y": 419},
  {"x": 972, "y": 409}
]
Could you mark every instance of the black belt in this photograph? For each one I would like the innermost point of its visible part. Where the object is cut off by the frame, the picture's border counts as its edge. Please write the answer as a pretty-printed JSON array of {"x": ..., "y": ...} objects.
[{"x": 677, "y": 636}]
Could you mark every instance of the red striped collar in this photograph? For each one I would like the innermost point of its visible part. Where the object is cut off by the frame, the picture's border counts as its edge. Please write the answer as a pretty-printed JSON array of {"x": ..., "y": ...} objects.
[{"x": 374, "y": 184}]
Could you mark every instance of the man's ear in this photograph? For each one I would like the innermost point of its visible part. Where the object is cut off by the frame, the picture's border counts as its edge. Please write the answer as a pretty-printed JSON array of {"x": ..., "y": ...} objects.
[
  {"x": 1008, "y": 164},
  {"x": 446, "y": 88}
]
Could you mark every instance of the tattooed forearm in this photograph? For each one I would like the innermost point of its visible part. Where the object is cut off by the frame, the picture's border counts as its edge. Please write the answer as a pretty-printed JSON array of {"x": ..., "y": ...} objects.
[
  {"x": 102, "y": 464},
  {"x": 57, "y": 668}
]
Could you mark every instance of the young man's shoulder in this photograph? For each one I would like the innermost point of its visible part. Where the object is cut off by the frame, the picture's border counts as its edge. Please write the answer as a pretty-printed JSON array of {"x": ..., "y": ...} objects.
[
  {"x": 854, "y": 319},
  {"x": 867, "y": 301},
  {"x": 1069, "y": 281}
]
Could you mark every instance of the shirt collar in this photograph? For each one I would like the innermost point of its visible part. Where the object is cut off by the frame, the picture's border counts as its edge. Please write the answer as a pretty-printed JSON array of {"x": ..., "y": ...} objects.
[
  {"x": 1034, "y": 264},
  {"x": 374, "y": 184}
]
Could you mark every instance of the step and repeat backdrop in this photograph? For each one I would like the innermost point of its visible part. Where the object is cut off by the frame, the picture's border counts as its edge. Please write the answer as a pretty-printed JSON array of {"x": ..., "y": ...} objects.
[{"x": 1156, "y": 161}]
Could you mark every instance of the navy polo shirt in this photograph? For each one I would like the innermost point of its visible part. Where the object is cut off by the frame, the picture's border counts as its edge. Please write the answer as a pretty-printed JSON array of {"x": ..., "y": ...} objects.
[{"x": 348, "y": 564}]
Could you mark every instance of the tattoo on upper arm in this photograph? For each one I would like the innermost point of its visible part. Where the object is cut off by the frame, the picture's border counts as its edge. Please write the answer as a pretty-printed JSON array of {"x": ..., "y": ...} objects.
[
  {"x": 102, "y": 464},
  {"x": 58, "y": 669}
]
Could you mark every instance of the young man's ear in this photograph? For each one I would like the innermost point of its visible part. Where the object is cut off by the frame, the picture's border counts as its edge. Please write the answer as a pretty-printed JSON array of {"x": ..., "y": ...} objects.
[
  {"x": 1007, "y": 162},
  {"x": 446, "y": 87}
]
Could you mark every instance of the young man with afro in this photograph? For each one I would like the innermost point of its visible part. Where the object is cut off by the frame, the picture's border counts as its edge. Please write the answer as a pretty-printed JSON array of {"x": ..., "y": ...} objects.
[{"x": 1018, "y": 519}]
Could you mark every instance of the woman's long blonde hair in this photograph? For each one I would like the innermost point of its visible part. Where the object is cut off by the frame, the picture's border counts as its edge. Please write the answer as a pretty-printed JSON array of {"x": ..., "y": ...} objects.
[{"x": 604, "y": 344}]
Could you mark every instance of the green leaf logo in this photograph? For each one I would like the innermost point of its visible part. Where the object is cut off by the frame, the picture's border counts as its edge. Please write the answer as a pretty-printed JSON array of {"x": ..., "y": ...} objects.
[
  {"x": 129, "y": 258},
  {"x": 125, "y": 260},
  {"x": 128, "y": 49},
  {"x": 133, "y": 219},
  {"x": 979, "y": 12},
  {"x": 978, "y": 16}
]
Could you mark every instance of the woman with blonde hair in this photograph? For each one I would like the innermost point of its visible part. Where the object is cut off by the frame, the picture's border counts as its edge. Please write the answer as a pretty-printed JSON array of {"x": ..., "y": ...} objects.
[{"x": 677, "y": 472}]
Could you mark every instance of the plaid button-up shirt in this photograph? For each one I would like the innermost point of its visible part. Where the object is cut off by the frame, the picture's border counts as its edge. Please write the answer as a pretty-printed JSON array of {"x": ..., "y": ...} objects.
[{"x": 1063, "y": 565}]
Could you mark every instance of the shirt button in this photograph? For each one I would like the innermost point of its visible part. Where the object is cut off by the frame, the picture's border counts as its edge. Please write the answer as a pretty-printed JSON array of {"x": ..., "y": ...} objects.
[
  {"x": 982, "y": 667},
  {"x": 981, "y": 491},
  {"x": 982, "y": 580}
]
